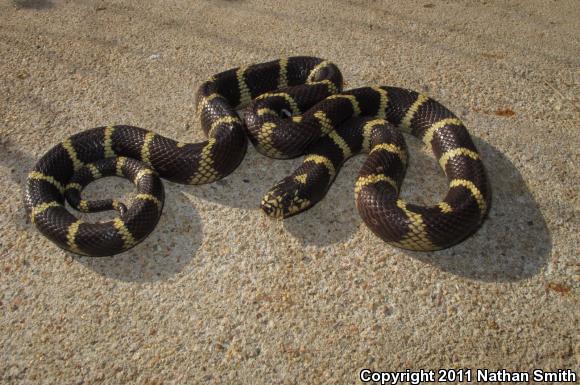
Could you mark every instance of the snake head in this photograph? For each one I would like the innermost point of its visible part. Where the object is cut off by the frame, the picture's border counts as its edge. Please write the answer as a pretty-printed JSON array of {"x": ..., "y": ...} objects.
[{"x": 284, "y": 200}]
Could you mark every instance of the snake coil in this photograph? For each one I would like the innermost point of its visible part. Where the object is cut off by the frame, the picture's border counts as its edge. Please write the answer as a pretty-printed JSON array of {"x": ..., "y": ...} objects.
[{"x": 293, "y": 106}]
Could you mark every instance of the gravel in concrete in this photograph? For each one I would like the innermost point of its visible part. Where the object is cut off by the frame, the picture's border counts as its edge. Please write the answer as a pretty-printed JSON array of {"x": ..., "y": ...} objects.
[{"x": 221, "y": 294}]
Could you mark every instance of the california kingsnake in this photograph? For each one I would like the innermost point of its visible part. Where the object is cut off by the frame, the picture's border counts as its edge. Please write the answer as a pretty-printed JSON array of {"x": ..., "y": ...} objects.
[{"x": 294, "y": 107}]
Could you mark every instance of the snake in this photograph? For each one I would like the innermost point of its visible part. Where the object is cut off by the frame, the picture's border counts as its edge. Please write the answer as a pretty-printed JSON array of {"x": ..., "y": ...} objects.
[{"x": 286, "y": 108}]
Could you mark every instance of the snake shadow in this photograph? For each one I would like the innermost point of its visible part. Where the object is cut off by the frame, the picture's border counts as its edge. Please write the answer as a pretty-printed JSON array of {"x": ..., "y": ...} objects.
[
  {"x": 245, "y": 187},
  {"x": 33, "y": 4},
  {"x": 165, "y": 252},
  {"x": 514, "y": 242},
  {"x": 19, "y": 164}
]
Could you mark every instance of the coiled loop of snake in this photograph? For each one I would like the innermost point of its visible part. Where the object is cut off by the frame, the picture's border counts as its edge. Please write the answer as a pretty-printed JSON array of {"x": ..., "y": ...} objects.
[{"x": 295, "y": 106}]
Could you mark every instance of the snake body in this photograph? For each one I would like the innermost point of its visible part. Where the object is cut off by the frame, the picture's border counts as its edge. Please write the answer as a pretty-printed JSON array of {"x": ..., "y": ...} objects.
[{"x": 293, "y": 106}]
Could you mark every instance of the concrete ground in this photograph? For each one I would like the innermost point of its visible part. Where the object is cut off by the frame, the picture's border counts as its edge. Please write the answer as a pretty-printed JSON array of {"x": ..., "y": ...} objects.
[{"x": 219, "y": 293}]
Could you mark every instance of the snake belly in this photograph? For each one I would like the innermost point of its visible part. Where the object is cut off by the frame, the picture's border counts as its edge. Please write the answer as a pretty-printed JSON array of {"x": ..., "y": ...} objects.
[{"x": 293, "y": 106}]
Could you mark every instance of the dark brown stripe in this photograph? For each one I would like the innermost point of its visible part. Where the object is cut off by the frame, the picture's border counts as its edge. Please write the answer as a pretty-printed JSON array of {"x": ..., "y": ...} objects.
[
  {"x": 462, "y": 201},
  {"x": 400, "y": 100},
  {"x": 351, "y": 132},
  {"x": 368, "y": 100},
  {"x": 148, "y": 217},
  {"x": 262, "y": 79},
  {"x": 317, "y": 182},
  {"x": 328, "y": 149},
  {"x": 293, "y": 139},
  {"x": 381, "y": 218},
  {"x": 386, "y": 163},
  {"x": 89, "y": 144},
  {"x": 463, "y": 167},
  {"x": 451, "y": 137},
  {"x": 99, "y": 239},
  {"x": 428, "y": 113},
  {"x": 226, "y": 84},
  {"x": 54, "y": 223},
  {"x": 39, "y": 191},
  {"x": 128, "y": 141},
  {"x": 56, "y": 163},
  {"x": 308, "y": 95},
  {"x": 229, "y": 149},
  {"x": 298, "y": 69},
  {"x": 213, "y": 110}
]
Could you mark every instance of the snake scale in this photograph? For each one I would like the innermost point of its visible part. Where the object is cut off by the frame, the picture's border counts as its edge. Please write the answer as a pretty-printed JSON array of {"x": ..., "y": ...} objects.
[{"x": 292, "y": 107}]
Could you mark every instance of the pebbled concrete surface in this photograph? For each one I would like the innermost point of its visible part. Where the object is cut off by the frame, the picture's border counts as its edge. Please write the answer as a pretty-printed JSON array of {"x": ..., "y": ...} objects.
[{"x": 221, "y": 294}]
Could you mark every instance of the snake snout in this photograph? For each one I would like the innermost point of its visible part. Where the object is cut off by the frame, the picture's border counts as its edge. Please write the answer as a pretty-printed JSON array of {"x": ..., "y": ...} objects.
[
  {"x": 284, "y": 200},
  {"x": 273, "y": 204},
  {"x": 268, "y": 208}
]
